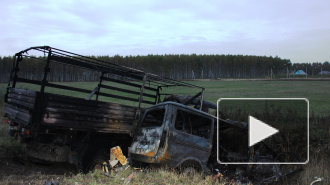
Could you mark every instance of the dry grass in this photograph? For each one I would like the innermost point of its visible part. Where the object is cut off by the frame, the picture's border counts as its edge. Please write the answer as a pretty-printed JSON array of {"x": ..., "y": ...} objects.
[
  {"x": 7, "y": 142},
  {"x": 159, "y": 176},
  {"x": 156, "y": 176},
  {"x": 318, "y": 166}
]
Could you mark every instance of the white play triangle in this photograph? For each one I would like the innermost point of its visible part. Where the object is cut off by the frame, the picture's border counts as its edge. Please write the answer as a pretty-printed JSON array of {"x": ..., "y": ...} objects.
[{"x": 259, "y": 131}]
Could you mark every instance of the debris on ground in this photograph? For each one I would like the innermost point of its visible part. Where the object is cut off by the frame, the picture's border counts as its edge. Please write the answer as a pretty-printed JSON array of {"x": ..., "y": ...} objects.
[
  {"x": 113, "y": 162},
  {"x": 118, "y": 153},
  {"x": 317, "y": 179}
]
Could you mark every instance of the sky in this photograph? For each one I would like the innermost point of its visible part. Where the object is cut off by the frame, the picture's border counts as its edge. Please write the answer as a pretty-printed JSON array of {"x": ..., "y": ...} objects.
[{"x": 295, "y": 30}]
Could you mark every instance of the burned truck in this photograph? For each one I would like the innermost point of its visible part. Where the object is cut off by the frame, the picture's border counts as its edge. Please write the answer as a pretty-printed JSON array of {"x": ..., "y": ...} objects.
[
  {"x": 66, "y": 122},
  {"x": 61, "y": 122},
  {"x": 189, "y": 138}
]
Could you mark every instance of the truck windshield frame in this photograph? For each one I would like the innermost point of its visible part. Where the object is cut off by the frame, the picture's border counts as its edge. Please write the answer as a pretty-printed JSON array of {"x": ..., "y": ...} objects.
[{"x": 154, "y": 118}]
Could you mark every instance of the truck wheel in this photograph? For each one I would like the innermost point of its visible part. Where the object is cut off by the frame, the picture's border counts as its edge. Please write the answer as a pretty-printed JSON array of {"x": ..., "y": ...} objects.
[{"x": 190, "y": 168}]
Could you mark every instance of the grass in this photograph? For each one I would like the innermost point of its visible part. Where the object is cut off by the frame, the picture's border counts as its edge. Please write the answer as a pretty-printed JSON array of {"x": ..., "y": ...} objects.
[
  {"x": 131, "y": 176},
  {"x": 9, "y": 143},
  {"x": 6, "y": 142},
  {"x": 289, "y": 117},
  {"x": 318, "y": 166},
  {"x": 156, "y": 176},
  {"x": 317, "y": 92}
]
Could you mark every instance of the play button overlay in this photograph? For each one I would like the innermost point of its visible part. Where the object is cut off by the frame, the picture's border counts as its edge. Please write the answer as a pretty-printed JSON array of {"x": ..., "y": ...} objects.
[
  {"x": 259, "y": 131},
  {"x": 262, "y": 131}
]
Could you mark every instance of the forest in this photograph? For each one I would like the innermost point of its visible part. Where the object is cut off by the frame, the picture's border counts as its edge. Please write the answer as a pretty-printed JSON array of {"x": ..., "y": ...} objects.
[{"x": 171, "y": 66}]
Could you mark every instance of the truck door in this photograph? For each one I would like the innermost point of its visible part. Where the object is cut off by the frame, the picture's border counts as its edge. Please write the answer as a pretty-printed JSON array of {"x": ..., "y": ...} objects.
[
  {"x": 190, "y": 139},
  {"x": 147, "y": 138}
]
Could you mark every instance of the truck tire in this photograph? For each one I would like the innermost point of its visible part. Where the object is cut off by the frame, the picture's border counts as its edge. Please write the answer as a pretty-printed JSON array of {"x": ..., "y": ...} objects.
[{"x": 190, "y": 168}]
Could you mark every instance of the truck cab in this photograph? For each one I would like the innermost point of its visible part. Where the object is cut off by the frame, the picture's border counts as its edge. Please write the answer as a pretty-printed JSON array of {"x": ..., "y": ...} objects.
[{"x": 175, "y": 135}]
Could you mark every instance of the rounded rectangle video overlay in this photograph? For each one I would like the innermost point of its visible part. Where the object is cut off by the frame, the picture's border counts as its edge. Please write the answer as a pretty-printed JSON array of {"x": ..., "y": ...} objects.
[{"x": 263, "y": 130}]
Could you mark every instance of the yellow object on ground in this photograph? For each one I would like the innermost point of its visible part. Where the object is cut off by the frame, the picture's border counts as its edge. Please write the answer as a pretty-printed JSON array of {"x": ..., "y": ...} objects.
[{"x": 117, "y": 152}]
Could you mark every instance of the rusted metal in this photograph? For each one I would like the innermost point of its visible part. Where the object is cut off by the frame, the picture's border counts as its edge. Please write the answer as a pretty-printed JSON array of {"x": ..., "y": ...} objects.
[
  {"x": 84, "y": 123},
  {"x": 181, "y": 146},
  {"x": 165, "y": 144}
]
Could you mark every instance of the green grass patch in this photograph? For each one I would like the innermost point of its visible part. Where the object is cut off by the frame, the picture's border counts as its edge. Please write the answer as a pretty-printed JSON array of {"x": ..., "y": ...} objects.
[{"x": 317, "y": 92}]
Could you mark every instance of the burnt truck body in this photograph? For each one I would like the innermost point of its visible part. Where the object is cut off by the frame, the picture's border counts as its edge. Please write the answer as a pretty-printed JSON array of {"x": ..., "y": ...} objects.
[
  {"x": 179, "y": 136},
  {"x": 74, "y": 123},
  {"x": 175, "y": 135},
  {"x": 77, "y": 122}
]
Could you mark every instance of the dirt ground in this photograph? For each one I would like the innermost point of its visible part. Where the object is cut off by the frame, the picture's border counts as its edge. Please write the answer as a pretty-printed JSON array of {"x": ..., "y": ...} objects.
[{"x": 17, "y": 167}]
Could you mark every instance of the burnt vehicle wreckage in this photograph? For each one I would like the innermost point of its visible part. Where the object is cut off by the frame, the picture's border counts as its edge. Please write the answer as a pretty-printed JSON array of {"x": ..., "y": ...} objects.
[{"x": 161, "y": 128}]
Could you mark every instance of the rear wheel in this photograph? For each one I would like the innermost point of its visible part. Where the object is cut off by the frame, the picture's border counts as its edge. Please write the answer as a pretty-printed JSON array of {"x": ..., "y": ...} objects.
[{"x": 190, "y": 170}]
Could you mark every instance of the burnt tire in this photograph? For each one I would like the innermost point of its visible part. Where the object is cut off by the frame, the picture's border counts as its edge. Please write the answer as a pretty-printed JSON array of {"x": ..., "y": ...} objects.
[{"x": 190, "y": 168}]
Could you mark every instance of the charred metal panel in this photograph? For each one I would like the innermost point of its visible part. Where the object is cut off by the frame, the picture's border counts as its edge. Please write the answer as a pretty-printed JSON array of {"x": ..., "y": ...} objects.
[
  {"x": 165, "y": 144},
  {"x": 18, "y": 114},
  {"x": 186, "y": 147},
  {"x": 80, "y": 114},
  {"x": 183, "y": 146},
  {"x": 20, "y": 105},
  {"x": 147, "y": 145},
  {"x": 148, "y": 141},
  {"x": 73, "y": 113}
]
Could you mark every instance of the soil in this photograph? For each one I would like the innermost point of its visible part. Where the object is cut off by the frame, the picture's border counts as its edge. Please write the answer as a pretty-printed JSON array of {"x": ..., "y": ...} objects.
[{"x": 18, "y": 167}]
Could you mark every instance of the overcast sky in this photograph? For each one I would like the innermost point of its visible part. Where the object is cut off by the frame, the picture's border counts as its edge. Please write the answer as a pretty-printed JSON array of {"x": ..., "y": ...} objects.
[{"x": 295, "y": 29}]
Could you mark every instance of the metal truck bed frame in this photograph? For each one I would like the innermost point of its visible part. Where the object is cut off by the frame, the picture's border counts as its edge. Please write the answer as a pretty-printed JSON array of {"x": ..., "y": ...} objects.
[
  {"x": 44, "y": 108},
  {"x": 109, "y": 72}
]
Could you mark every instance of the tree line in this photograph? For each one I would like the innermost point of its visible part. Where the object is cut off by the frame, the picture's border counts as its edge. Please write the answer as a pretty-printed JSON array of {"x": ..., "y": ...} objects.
[{"x": 171, "y": 66}]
